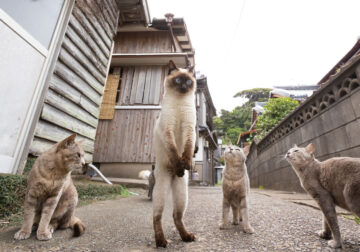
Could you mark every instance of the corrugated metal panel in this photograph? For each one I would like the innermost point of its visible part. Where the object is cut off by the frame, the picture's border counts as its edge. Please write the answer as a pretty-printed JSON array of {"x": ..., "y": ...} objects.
[{"x": 76, "y": 87}]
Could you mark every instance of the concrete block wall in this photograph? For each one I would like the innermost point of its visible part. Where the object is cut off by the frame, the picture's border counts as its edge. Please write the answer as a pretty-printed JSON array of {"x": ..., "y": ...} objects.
[{"x": 330, "y": 119}]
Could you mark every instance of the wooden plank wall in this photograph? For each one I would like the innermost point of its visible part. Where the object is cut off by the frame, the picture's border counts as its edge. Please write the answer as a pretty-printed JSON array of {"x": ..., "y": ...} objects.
[
  {"x": 143, "y": 42},
  {"x": 76, "y": 86},
  {"x": 142, "y": 85},
  {"x": 127, "y": 138}
]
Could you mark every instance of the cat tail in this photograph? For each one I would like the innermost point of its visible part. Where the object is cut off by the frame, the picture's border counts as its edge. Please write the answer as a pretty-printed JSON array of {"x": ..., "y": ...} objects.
[
  {"x": 145, "y": 174},
  {"x": 77, "y": 226}
]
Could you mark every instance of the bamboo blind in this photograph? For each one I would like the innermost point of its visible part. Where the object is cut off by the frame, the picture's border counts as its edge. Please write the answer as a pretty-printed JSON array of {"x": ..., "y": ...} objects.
[{"x": 109, "y": 98}]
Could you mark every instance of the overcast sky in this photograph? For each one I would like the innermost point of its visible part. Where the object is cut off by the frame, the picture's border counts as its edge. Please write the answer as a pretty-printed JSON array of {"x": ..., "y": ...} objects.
[{"x": 243, "y": 44}]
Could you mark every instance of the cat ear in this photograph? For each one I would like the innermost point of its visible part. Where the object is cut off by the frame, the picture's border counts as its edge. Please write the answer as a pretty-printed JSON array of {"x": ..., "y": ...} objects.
[
  {"x": 246, "y": 150},
  {"x": 66, "y": 142},
  {"x": 310, "y": 148},
  {"x": 172, "y": 66},
  {"x": 295, "y": 146},
  {"x": 230, "y": 143}
]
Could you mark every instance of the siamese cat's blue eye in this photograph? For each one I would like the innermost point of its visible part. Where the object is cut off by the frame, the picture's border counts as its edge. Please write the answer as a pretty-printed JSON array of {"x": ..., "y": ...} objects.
[
  {"x": 177, "y": 80},
  {"x": 188, "y": 82}
]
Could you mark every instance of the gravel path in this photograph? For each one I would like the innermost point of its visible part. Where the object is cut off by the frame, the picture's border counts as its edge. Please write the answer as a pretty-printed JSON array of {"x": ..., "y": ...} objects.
[{"x": 125, "y": 224}]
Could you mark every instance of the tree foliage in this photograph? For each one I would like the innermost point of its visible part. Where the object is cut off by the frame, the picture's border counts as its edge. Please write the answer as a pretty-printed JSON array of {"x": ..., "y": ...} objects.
[
  {"x": 275, "y": 110},
  {"x": 230, "y": 124},
  {"x": 255, "y": 94}
]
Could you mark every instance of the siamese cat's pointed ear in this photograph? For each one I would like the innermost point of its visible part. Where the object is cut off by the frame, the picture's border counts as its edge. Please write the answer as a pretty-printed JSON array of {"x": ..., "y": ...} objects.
[
  {"x": 310, "y": 148},
  {"x": 246, "y": 150},
  {"x": 66, "y": 142},
  {"x": 172, "y": 66}
]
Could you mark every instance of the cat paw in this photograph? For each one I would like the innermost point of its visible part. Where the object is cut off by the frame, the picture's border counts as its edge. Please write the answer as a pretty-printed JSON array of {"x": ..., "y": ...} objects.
[
  {"x": 51, "y": 229},
  {"x": 222, "y": 226},
  {"x": 248, "y": 230},
  {"x": 44, "y": 235},
  {"x": 21, "y": 235},
  {"x": 180, "y": 172},
  {"x": 188, "y": 237},
  {"x": 162, "y": 242},
  {"x": 235, "y": 223},
  {"x": 334, "y": 244},
  {"x": 185, "y": 163},
  {"x": 324, "y": 235}
]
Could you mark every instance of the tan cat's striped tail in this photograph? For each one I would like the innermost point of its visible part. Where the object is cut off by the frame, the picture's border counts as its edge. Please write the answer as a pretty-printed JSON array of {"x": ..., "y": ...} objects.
[{"x": 77, "y": 226}]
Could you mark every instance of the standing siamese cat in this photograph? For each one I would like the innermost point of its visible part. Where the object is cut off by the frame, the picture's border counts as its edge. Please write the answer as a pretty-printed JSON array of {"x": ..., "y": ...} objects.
[
  {"x": 335, "y": 181},
  {"x": 174, "y": 142},
  {"x": 236, "y": 187},
  {"x": 51, "y": 196}
]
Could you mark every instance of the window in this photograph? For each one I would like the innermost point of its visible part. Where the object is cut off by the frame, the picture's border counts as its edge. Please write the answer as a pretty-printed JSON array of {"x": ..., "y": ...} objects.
[{"x": 37, "y": 17}]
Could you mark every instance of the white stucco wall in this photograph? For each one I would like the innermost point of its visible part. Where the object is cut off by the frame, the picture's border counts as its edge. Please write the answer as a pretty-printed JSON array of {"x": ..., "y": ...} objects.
[{"x": 20, "y": 68}]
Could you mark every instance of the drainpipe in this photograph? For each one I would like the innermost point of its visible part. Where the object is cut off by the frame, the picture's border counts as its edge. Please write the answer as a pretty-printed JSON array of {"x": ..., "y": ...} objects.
[
  {"x": 169, "y": 17},
  {"x": 100, "y": 174}
]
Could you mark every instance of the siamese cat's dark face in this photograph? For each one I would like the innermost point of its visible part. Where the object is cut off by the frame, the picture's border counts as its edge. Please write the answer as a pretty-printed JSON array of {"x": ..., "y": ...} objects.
[{"x": 180, "y": 79}]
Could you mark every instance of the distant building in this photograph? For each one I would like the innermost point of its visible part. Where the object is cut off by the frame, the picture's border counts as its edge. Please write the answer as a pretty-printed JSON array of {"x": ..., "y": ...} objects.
[{"x": 207, "y": 139}]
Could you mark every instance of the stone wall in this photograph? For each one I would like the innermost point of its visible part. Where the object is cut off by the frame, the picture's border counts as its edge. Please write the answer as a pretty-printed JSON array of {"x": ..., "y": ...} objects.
[{"x": 330, "y": 119}]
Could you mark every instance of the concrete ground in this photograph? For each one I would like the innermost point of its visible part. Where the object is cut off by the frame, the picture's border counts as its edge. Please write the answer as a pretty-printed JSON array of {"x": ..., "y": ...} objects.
[{"x": 125, "y": 224}]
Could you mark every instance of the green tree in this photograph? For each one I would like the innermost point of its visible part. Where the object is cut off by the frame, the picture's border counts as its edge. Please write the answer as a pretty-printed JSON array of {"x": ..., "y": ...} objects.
[
  {"x": 230, "y": 124},
  {"x": 275, "y": 110},
  {"x": 255, "y": 94}
]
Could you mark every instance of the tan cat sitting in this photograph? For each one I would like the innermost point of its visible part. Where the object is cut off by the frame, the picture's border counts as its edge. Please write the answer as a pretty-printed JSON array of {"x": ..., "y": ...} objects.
[
  {"x": 236, "y": 187},
  {"x": 335, "y": 181},
  {"x": 51, "y": 196}
]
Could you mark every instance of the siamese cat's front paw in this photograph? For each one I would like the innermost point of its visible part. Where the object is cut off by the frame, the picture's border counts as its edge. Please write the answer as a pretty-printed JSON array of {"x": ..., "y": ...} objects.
[
  {"x": 324, "y": 235},
  {"x": 185, "y": 163},
  {"x": 334, "y": 244},
  {"x": 180, "y": 172},
  {"x": 21, "y": 235},
  {"x": 44, "y": 235}
]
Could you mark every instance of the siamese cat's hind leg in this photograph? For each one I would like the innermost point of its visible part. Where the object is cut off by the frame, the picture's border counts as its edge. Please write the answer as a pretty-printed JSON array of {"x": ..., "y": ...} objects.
[
  {"x": 161, "y": 187},
  {"x": 180, "y": 195}
]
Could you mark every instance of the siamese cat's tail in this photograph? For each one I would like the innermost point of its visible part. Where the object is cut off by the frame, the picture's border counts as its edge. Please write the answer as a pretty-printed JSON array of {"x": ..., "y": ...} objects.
[
  {"x": 145, "y": 174},
  {"x": 77, "y": 226}
]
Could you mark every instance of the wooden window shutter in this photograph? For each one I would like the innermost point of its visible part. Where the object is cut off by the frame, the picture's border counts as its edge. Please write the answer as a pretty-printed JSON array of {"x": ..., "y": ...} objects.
[{"x": 109, "y": 98}]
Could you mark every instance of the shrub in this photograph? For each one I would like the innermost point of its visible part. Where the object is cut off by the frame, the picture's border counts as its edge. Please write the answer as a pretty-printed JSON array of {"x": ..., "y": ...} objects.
[
  {"x": 275, "y": 110},
  {"x": 13, "y": 189},
  {"x": 12, "y": 194}
]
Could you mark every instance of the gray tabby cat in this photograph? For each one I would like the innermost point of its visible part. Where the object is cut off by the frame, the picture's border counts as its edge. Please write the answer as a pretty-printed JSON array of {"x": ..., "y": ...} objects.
[{"x": 335, "y": 181}]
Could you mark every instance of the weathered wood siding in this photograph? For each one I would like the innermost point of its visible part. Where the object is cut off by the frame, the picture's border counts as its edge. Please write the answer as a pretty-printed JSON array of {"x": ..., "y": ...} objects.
[
  {"x": 76, "y": 87},
  {"x": 127, "y": 138},
  {"x": 143, "y": 42},
  {"x": 142, "y": 85}
]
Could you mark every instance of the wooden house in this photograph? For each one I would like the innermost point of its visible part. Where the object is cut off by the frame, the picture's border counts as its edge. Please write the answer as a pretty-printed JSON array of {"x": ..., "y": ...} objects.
[
  {"x": 54, "y": 64},
  {"x": 133, "y": 93}
]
